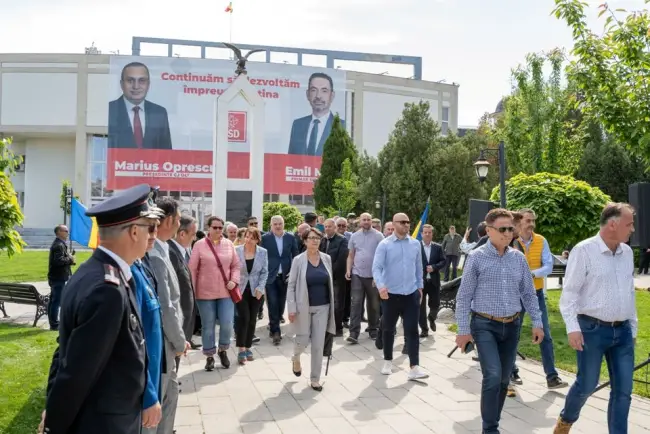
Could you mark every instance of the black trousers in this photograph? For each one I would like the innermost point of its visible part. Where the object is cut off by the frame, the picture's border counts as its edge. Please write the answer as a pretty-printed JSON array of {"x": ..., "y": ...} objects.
[
  {"x": 406, "y": 306},
  {"x": 339, "y": 302},
  {"x": 451, "y": 260},
  {"x": 348, "y": 300},
  {"x": 644, "y": 261},
  {"x": 430, "y": 298},
  {"x": 247, "y": 310}
]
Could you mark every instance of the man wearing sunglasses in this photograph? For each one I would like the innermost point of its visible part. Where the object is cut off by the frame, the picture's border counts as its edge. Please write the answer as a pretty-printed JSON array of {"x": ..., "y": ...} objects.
[{"x": 496, "y": 281}]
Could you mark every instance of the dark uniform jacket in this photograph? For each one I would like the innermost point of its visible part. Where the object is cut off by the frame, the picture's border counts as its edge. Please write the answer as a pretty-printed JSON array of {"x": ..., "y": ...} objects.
[
  {"x": 98, "y": 373},
  {"x": 60, "y": 262}
]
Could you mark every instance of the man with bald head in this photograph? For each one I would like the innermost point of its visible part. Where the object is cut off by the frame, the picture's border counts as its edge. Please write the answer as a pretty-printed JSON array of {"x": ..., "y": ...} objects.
[
  {"x": 397, "y": 271},
  {"x": 335, "y": 245},
  {"x": 302, "y": 228},
  {"x": 362, "y": 246},
  {"x": 388, "y": 229}
]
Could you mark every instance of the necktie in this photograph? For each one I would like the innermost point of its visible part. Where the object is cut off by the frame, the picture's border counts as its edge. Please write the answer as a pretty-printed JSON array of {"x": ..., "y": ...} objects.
[
  {"x": 313, "y": 136},
  {"x": 137, "y": 128},
  {"x": 187, "y": 257},
  {"x": 327, "y": 246}
]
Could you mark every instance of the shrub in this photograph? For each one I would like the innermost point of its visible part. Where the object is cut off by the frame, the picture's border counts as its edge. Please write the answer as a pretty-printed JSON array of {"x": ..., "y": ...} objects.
[
  {"x": 292, "y": 217},
  {"x": 10, "y": 213},
  {"x": 568, "y": 210}
]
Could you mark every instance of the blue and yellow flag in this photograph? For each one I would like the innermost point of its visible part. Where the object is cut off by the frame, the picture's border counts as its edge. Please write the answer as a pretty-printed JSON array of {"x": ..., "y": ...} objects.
[
  {"x": 417, "y": 232},
  {"x": 83, "y": 229}
]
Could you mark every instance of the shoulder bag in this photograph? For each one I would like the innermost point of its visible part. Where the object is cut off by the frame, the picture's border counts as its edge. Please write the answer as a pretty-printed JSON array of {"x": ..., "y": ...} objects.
[{"x": 235, "y": 294}]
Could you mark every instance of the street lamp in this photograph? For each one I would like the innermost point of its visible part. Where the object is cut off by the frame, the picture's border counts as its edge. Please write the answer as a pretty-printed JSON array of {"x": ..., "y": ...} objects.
[
  {"x": 482, "y": 167},
  {"x": 377, "y": 207}
]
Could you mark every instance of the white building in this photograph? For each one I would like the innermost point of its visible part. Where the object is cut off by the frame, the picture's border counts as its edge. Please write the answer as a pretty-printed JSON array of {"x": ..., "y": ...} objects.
[{"x": 55, "y": 108}]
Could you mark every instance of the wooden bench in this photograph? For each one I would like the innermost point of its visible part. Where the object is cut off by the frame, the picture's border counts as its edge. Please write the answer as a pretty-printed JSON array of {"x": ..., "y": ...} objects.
[{"x": 21, "y": 293}]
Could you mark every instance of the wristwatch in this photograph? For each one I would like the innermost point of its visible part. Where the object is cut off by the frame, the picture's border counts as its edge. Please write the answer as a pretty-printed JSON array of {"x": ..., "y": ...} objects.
[{"x": 532, "y": 274}]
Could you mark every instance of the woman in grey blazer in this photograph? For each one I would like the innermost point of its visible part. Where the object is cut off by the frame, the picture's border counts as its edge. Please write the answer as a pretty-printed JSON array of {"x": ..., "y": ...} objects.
[
  {"x": 254, "y": 265},
  {"x": 310, "y": 303}
]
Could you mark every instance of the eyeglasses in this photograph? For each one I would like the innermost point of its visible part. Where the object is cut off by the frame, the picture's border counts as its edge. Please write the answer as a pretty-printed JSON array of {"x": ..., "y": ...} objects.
[
  {"x": 151, "y": 228},
  {"x": 404, "y": 222},
  {"x": 341, "y": 226},
  {"x": 503, "y": 229},
  {"x": 252, "y": 224},
  {"x": 217, "y": 228},
  {"x": 314, "y": 238}
]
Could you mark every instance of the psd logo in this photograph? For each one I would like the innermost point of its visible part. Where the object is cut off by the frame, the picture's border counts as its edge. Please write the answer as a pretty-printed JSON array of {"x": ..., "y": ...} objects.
[{"x": 237, "y": 126}]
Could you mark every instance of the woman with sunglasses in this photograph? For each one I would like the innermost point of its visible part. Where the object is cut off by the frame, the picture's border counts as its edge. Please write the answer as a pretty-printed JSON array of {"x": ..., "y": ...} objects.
[
  {"x": 213, "y": 258},
  {"x": 310, "y": 303}
]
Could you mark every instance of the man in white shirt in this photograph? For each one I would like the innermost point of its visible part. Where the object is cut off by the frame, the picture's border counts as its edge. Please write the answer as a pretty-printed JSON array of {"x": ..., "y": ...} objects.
[{"x": 598, "y": 307}]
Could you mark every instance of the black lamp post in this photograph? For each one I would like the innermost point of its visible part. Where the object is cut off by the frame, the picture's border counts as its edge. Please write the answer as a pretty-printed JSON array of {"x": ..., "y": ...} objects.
[{"x": 482, "y": 167}]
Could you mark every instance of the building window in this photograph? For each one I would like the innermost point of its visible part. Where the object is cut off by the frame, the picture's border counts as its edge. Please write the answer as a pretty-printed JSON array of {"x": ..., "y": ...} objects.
[
  {"x": 20, "y": 195},
  {"x": 444, "y": 125},
  {"x": 97, "y": 167},
  {"x": 308, "y": 200},
  {"x": 268, "y": 197},
  {"x": 21, "y": 166},
  {"x": 295, "y": 199}
]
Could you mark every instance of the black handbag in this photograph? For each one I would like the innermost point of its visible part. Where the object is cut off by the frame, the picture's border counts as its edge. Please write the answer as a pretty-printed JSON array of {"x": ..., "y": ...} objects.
[{"x": 327, "y": 349}]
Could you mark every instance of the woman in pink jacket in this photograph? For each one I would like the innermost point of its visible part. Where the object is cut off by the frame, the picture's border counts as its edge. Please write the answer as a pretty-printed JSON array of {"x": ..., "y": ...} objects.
[{"x": 212, "y": 292}]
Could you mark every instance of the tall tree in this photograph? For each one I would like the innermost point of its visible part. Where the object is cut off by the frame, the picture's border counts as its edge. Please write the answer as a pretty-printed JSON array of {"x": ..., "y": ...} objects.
[
  {"x": 10, "y": 213},
  {"x": 612, "y": 71},
  {"x": 345, "y": 189},
  {"x": 370, "y": 182},
  {"x": 338, "y": 148}
]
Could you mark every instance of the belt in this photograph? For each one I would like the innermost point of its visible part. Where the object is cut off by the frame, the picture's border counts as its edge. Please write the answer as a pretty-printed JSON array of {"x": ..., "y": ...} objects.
[
  {"x": 504, "y": 320},
  {"x": 600, "y": 322}
]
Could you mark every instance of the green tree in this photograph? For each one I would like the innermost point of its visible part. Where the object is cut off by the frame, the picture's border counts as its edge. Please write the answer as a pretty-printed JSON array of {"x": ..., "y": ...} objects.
[
  {"x": 10, "y": 213},
  {"x": 609, "y": 166},
  {"x": 291, "y": 214},
  {"x": 611, "y": 69},
  {"x": 370, "y": 183},
  {"x": 345, "y": 189},
  {"x": 539, "y": 125},
  {"x": 568, "y": 210},
  {"x": 338, "y": 148}
]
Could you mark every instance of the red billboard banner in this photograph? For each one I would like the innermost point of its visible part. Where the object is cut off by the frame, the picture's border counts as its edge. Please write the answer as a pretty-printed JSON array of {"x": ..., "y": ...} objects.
[{"x": 178, "y": 170}]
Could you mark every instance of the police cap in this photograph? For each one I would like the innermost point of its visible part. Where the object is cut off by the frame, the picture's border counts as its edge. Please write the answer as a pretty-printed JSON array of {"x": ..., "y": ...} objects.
[{"x": 126, "y": 206}]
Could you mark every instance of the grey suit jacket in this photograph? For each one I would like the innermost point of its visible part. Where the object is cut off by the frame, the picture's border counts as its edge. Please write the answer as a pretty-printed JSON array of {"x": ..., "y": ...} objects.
[
  {"x": 170, "y": 302},
  {"x": 260, "y": 272},
  {"x": 298, "y": 296}
]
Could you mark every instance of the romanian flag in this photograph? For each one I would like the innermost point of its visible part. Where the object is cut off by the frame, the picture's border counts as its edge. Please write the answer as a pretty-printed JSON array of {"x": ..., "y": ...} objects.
[
  {"x": 417, "y": 232},
  {"x": 83, "y": 229},
  {"x": 229, "y": 8}
]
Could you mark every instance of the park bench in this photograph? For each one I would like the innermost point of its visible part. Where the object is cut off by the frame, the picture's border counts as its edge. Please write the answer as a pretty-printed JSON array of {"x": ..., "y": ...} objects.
[
  {"x": 559, "y": 268},
  {"x": 448, "y": 292},
  {"x": 21, "y": 293}
]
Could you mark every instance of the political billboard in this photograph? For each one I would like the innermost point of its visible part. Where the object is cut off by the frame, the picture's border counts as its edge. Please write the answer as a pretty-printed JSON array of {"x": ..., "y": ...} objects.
[{"x": 161, "y": 122}]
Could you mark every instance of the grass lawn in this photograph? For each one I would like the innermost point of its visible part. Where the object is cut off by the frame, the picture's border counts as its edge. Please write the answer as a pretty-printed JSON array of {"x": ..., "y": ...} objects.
[
  {"x": 30, "y": 266},
  {"x": 24, "y": 366},
  {"x": 565, "y": 356}
]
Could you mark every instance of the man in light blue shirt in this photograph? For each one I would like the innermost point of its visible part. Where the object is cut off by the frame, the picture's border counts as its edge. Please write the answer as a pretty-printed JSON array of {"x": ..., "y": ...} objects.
[{"x": 398, "y": 274}]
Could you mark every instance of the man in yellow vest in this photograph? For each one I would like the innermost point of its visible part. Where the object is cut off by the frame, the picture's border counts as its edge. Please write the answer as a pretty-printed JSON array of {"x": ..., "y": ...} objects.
[{"x": 540, "y": 260}]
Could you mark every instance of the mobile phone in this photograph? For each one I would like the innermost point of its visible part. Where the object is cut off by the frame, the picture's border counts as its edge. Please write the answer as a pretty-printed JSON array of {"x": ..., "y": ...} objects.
[{"x": 469, "y": 347}]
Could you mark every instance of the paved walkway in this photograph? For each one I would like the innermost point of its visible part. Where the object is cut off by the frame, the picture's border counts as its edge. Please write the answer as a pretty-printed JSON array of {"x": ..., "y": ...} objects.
[{"x": 265, "y": 397}]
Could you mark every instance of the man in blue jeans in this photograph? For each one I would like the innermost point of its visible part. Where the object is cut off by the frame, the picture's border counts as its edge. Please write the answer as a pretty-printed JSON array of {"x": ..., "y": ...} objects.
[
  {"x": 398, "y": 274},
  {"x": 496, "y": 280},
  {"x": 598, "y": 307},
  {"x": 58, "y": 273}
]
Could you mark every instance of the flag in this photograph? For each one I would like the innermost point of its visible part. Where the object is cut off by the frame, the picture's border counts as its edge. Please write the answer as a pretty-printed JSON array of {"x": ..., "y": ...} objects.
[
  {"x": 83, "y": 229},
  {"x": 417, "y": 232},
  {"x": 229, "y": 8}
]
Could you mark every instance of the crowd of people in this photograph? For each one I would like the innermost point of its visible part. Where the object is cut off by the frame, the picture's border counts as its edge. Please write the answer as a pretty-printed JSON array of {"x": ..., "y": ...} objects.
[{"x": 129, "y": 313}]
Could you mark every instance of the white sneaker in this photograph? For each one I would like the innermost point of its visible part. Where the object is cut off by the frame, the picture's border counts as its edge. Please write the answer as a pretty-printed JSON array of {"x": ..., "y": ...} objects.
[
  {"x": 387, "y": 369},
  {"x": 416, "y": 373}
]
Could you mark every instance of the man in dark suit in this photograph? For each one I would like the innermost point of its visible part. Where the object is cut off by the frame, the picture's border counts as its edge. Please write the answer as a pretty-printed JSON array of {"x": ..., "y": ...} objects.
[
  {"x": 433, "y": 260},
  {"x": 58, "y": 273},
  {"x": 98, "y": 374},
  {"x": 282, "y": 248},
  {"x": 309, "y": 133},
  {"x": 179, "y": 256},
  {"x": 336, "y": 245},
  {"x": 134, "y": 122}
]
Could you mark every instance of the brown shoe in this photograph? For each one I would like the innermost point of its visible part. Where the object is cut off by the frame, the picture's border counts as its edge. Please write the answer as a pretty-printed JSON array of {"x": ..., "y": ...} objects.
[
  {"x": 511, "y": 393},
  {"x": 562, "y": 427}
]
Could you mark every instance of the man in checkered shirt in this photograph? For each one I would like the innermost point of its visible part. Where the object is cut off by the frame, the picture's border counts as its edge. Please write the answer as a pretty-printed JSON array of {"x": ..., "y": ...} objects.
[{"x": 496, "y": 281}]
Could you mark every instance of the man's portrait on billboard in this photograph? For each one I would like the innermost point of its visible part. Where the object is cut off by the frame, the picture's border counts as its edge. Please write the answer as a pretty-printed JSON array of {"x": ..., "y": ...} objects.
[
  {"x": 309, "y": 133},
  {"x": 133, "y": 121}
]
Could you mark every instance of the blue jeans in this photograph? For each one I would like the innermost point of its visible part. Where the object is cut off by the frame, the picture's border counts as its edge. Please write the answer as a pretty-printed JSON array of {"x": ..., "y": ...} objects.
[
  {"x": 617, "y": 345},
  {"x": 546, "y": 346},
  {"x": 276, "y": 298},
  {"x": 56, "y": 289},
  {"x": 222, "y": 309},
  {"x": 496, "y": 344}
]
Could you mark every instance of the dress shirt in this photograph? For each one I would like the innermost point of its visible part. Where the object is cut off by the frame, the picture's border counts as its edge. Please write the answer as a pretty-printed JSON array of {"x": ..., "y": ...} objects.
[
  {"x": 547, "y": 258},
  {"x": 427, "y": 250},
  {"x": 495, "y": 285},
  {"x": 129, "y": 110},
  {"x": 322, "y": 121},
  {"x": 181, "y": 249},
  {"x": 599, "y": 283},
  {"x": 466, "y": 246},
  {"x": 397, "y": 265},
  {"x": 124, "y": 267},
  {"x": 279, "y": 241}
]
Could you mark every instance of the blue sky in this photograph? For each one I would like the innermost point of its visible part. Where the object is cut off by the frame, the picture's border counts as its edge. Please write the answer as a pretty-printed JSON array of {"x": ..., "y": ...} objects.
[{"x": 471, "y": 42}]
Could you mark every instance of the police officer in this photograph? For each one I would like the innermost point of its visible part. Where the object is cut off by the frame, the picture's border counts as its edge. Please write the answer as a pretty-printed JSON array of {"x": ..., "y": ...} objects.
[{"x": 98, "y": 373}]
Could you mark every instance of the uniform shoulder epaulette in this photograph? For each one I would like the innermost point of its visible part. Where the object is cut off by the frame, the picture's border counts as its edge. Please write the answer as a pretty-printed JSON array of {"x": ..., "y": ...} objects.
[{"x": 111, "y": 274}]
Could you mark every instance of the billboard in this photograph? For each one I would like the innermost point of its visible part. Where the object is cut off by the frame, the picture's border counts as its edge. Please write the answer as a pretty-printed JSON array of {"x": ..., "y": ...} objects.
[{"x": 161, "y": 122}]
